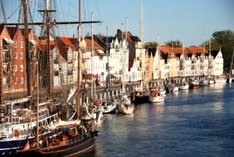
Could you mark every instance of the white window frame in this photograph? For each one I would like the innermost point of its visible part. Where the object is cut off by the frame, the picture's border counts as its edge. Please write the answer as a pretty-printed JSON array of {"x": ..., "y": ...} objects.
[
  {"x": 21, "y": 68},
  {"x": 21, "y": 80}
]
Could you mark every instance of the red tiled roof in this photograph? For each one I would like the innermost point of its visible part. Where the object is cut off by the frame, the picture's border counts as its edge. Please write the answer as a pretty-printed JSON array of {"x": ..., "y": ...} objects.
[
  {"x": 65, "y": 42},
  {"x": 43, "y": 42},
  {"x": 187, "y": 50},
  {"x": 95, "y": 44},
  {"x": 165, "y": 49},
  {"x": 195, "y": 50}
]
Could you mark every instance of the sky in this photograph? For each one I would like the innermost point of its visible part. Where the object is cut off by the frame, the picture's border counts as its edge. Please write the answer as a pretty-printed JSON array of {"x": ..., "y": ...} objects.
[{"x": 189, "y": 21}]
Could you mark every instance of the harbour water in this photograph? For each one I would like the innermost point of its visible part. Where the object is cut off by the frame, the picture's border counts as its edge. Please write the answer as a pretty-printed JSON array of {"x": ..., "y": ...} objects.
[{"x": 196, "y": 122}]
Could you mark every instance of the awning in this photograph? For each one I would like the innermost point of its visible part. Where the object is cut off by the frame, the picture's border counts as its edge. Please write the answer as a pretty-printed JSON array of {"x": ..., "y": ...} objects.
[{"x": 8, "y": 40}]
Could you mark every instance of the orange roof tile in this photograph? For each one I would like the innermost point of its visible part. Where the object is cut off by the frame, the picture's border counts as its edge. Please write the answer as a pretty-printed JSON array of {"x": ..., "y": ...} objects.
[
  {"x": 95, "y": 44},
  {"x": 165, "y": 49},
  {"x": 196, "y": 50}
]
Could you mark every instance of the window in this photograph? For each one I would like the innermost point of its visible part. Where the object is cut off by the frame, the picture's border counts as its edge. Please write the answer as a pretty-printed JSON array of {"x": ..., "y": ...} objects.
[
  {"x": 21, "y": 68},
  {"x": 15, "y": 44},
  {"x": 15, "y": 55},
  {"x": 16, "y": 80},
  {"x": 22, "y": 80},
  {"x": 21, "y": 44},
  {"x": 15, "y": 68},
  {"x": 21, "y": 55}
]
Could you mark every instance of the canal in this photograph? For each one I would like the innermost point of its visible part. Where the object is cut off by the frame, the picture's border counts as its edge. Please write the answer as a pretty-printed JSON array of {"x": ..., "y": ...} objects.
[{"x": 195, "y": 122}]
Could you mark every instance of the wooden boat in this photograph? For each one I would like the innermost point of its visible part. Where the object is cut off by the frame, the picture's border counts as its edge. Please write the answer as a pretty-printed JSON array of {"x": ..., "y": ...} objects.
[
  {"x": 19, "y": 127},
  {"x": 18, "y": 118},
  {"x": 69, "y": 137}
]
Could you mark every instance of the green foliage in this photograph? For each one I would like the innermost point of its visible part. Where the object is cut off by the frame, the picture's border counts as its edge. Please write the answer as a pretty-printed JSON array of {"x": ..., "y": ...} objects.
[
  {"x": 225, "y": 39},
  {"x": 174, "y": 43},
  {"x": 211, "y": 45},
  {"x": 151, "y": 44}
]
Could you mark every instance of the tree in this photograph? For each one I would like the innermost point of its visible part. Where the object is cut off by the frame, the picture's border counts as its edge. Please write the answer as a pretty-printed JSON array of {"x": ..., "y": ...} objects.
[
  {"x": 225, "y": 39},
  {"x": 174, "y": 43},
  {"x": 211, "y": 45},
  {"x": 151, "y": 44}
]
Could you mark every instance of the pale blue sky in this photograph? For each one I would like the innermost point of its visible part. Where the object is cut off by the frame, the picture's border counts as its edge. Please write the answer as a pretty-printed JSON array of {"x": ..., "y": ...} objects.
[{"x": 190, "y": 21}]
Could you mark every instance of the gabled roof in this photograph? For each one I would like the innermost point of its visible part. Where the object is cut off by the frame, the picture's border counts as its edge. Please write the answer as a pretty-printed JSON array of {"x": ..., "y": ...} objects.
[
  {"x": 178, "y": 50},
  {"x": 165, "y": 49},
  {"x": 64, "y": 43},
  {"x": 95, "y": 44},
  {"x": 196, "y": 50}
]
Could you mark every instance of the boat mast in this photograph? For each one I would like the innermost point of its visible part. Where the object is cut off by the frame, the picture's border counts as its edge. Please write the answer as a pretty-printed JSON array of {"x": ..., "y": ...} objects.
[
  {"x": 108, "y": 60},
  {"x": 142, "y": 66},
  {"x": 92, "y": 54},
  {"x": 50, "y": 88},
  {"x": 79, "y": 63},
  {"x": 28, "y": 69},
  {"x": 38, "y": 95}
]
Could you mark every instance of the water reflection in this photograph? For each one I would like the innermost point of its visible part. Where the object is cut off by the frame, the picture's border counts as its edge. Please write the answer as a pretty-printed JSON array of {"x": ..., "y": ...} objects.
[
  {"x": 190, "y": 123},
  {"x": 218, "y": 107}
]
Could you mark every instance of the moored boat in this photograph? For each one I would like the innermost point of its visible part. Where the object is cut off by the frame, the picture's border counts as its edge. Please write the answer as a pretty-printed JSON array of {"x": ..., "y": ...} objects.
[
  {"x": 125, "y": 106},
  {"x": 184, "y": 86},
  {"x": 194, "y": 84},
  {"x": 20, "y": 127},
  {"x": 139, "y": 96},
  {"x": 109, "y": 106},
  {"x": 155, "y": 96},
  {"x": 203, "y": 82}
]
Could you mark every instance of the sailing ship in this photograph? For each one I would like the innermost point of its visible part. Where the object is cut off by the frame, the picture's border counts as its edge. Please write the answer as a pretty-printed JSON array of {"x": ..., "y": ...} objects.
[
  {"x": 48, "y": 135},
  {"x": 18, "y": 118}
]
